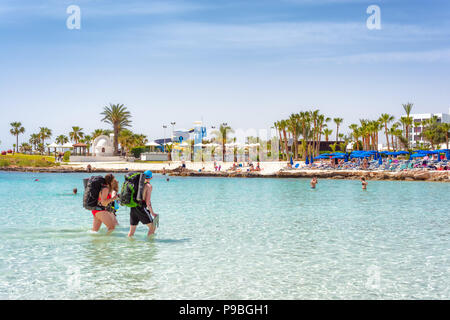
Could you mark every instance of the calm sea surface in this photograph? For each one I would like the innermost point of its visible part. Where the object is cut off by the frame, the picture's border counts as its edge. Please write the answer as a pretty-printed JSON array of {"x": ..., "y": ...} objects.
[{"x": 229, "y": 239}]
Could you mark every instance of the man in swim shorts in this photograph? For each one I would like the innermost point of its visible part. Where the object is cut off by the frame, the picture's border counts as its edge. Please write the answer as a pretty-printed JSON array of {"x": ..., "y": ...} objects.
[{"x": 144, "y": 212}]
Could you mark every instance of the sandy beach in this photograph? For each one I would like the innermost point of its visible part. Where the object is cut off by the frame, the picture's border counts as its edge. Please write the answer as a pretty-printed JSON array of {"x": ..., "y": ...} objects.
[{"x": 268, "y": 170}]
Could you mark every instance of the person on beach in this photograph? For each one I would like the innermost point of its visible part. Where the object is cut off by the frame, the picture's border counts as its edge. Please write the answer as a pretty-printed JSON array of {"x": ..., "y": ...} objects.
[
  {"x": 364, "y": 183},
  {"x": 144, "y": 212},
  {"x": 101, "y": 214},
  {"x": 313, "y": 182},
  {"x": 113, "y": 206}
]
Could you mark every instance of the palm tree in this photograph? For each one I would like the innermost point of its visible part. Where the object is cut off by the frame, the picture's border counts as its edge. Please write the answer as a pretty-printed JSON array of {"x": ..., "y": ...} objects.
[
  {"x": 446, "y": 128},
  {"x": 221, "y": 135},
  {"x": 76, "y": 134},
  {"x": 293, "y": 124},
  {"x": 127, "y": 140},
  {"x": 119, "y": 117},
  {"x": 338, "y": 122},
  {"x": 392, "y": 132},
  {"x": 96, "y": 133},
  {"x": 15, "y": 131},
  {"x": 34, "y": 140},
  {"x": 406, "y": 122},
  {"x": 44, "y": 133},
  {"x": 407, "y": 107},
  {"x": 278, "y": 128},
  {"x": 141, "y": 139},
  {"x": 88, "y": 140},
  {"x": 283, "y": 127},
  {"x": 385, "y": 119},
  {"x": 305, "y": 122},
  {"x": 327, "y": 132},
  {"x": 25, "y": 147},
  {"x": 322, "y": 123},
  {"x": 61, "y": 139}
]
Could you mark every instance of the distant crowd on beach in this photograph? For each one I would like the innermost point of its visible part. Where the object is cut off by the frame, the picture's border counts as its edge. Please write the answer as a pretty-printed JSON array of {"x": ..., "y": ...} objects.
[{"x": 389, "y": 163}]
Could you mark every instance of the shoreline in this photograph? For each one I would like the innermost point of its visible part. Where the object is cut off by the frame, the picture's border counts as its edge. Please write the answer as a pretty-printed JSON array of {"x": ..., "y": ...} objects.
[{"x": 436, "y": 176}]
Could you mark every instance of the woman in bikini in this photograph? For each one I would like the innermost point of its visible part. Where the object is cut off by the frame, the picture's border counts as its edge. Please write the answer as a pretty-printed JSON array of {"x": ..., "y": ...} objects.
[{"x": 101, "y": 214}]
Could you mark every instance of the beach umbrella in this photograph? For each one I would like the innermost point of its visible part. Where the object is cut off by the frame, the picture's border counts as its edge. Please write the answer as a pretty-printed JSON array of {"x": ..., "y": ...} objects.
[
  {"x": 307, "y": 160},
  {"x": 292, "y": 161},
  {"x": 312, "y": 160},
  {"x": 321, "y": 157},
  {"x": 67, "y": 146},
  {"x": 417, "y": 155},
  {"x": 152, "y": 144}
]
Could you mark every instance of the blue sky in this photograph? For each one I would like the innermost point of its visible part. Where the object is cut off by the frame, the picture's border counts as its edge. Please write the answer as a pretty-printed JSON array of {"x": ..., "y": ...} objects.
[{"x": 245, "y": 62}]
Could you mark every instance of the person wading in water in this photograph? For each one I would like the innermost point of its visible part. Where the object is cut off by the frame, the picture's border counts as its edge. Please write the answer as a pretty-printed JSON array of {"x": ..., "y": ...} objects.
[{"x": 144, "y": 212}]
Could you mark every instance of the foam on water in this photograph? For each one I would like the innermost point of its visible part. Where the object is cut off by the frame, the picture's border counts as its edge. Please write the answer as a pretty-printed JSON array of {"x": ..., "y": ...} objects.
[{"x": 228, "y": 239}]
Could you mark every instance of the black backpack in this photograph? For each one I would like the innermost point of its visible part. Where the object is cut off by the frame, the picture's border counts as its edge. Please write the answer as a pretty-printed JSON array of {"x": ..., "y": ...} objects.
[
  {"x": 92, "y": 188},
  {"x": 132, "y": 188}
]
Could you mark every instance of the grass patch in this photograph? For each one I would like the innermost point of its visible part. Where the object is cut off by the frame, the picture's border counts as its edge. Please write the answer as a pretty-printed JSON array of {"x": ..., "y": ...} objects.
[{"x": 26, "y": 160}]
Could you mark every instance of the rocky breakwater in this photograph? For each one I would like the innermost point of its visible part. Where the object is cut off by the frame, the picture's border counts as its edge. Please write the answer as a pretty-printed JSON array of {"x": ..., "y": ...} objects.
[{"x": 443, "y": 176}]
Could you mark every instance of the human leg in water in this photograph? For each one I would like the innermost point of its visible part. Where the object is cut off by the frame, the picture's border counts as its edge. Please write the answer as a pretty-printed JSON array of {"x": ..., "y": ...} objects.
[{"x": 108, "y": 219}]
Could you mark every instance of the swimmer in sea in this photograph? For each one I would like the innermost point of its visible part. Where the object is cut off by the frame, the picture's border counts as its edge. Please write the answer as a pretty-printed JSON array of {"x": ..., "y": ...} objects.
[
  {"x": 313, "y": 182},
  {"x": 364, "y": 183},
  {"x": 75, "y": 190}
]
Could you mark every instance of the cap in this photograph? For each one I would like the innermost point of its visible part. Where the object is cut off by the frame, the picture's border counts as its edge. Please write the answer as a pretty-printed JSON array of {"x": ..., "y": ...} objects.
[{"x": 148, "y": 174}]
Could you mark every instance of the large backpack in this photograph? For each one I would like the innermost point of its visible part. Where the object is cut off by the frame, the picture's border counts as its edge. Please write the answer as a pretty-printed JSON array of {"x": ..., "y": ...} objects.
[
  {"x": 131, "y": 192},
  {"x": 92, "y": 188}
]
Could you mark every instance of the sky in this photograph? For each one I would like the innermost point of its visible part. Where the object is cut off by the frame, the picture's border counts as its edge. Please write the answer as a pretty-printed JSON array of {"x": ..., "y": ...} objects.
[{"x": 244, "y": 62}]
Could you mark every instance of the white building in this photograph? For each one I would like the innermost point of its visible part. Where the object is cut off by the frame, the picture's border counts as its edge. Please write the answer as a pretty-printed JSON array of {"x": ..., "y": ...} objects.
[
  {"x": 415, "y": 132},
  {"x": 103, "y": 146}
]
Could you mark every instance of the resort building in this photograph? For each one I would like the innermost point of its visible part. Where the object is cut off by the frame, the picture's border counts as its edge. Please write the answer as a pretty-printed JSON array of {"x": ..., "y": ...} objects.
[
  {"x": 103, "y": 146},
  {"x": 415, "y": 132}
]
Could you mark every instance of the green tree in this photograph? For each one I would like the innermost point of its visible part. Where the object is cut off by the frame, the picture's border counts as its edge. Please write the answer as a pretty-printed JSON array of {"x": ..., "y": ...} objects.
[
  {"x": 222, "y": 136},
  {"x": 408, "y": 121},
  {"x": 25, "y": 147},
  {"x": 385, "y": 119},
  {"x": 15, "y": 131},
  {"x": 118, "y": 116},
  {"x": 61, "y": 139},
  {"x": 76, "y": 134},
  {"x": 34, "y": 140},
  {"x": 327, "y": 132},
  {"x": 44, "y": 133},
  {"x": 338, "y": 122},
  {"x": 446, "y": 129},
  {"x": 87, "y": 139}
]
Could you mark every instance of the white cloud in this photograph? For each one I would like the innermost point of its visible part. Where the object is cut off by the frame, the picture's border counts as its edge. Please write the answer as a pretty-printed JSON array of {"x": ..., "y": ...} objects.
[
  {"x": 285, "y": 35},
  {"x": 442, "y": 55},
  {"x": 101, "y": 8}
]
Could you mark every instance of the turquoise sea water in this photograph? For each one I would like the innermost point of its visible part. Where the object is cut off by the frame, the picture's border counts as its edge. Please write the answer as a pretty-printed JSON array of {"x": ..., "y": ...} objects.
[{"x": 229, "y": 239}]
